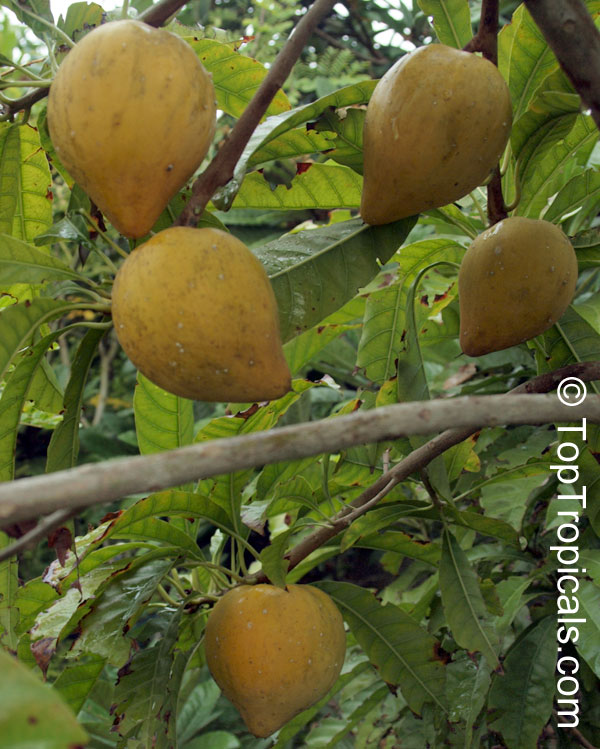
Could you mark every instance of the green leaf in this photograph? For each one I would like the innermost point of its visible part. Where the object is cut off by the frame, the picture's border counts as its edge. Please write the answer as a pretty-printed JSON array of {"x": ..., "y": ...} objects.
[
  {"x": 520, "y": 700},
  {"x": 102, "y": 629},
  {"x": 32, "y": 713},
  {"x": 292, "y": 143},
  {"x": 9, "y": 588},
  {"x": 80, "y": 16},
  {"x": 451, "y": 20},
  {"x": 22, "y": 263},
  {"x": 64, "y": 444},
  {"x": 13, "y": 399},
  {"x": 302, "y": 349},
  {"x": 463, "y": 603},
  {"x": 385, "y": 320},
  {"x": 531, "y": 60},
  {"x": 403, "y": 652},
  {"x": 321, "y": 186},
  {"x": 143, "y": 694},
  {"x": 235, "y": 76},
  {"x": 274, "y": 127},
  {"x": 76, "y": 681},
  {"x": 273, "y": 564},
  {"x": 588, "y": 597},
  {"x": 548, "y": 171},
  {"x": 347, "y": 124},
  {"x": 24, "y": 9},
  {"x": 163, "y": 421},
  {"x": 339, "y": 258},
  {"x": 25, "y": 197},
  {"x": 19, "y": 321},
  {"x": 573, "y": 195}
]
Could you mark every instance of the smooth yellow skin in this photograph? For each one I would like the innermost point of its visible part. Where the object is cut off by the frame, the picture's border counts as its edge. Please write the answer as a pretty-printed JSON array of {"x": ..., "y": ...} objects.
[
  {"x": 515, "y": 281},
  {"x": 274, "y": 652},
  {"x": 195, "y": 312},
  {"x": 131, "y": 114},
  {"x": 435, "y": 127}
]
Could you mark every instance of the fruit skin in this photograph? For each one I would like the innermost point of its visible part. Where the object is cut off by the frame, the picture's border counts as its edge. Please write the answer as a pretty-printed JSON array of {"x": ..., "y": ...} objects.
[
  {"x": 195, "y": 312},
  {"x": 131, "y": 114},
  {"x": 515, "y": 281},
  {"x": 435, "y": 127},
  {"x": 274, "y": 652}
]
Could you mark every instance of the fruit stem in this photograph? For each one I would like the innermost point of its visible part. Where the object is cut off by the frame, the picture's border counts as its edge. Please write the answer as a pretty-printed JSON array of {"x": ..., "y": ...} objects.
[
  {"x": 125, "y": 9},
  {"x": 166, "y": 597}
]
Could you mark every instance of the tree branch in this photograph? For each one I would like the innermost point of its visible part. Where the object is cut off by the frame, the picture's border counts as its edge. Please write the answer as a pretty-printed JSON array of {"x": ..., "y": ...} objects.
[
  {"x": 93, "y": 484},
  {"x": 221, "y": 168},
  {"x": 571, "y": 34}
]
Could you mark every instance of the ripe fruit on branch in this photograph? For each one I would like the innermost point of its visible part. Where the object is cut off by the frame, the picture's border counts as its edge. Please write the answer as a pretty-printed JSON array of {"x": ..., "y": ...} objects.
[
  {"x": 515, "y": 281},
  {"x": 131, "y": 114},
  {"x": 435, "y": 127},
  {"x": 195, "y": 312},
  {"x": 274, "y": 652}
]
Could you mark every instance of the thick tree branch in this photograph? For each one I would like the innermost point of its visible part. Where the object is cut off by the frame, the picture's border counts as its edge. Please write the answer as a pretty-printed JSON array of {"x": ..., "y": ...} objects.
[
  {"x": 571, "y": 34},
  {"x": 221, "y": 168},
  {"x": 104, "y": 482}
]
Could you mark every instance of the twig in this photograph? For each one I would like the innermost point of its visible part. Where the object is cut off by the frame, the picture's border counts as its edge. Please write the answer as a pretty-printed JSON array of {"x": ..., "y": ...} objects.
[
  {"x": 571, "y": 34},
  {"x": 221, "y": 168},
  {"x": 93, "y": 484},
  {"x": 42, "y": 529}
]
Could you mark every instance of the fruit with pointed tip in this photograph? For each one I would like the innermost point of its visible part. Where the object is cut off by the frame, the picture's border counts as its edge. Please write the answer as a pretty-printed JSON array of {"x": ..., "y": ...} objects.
[
  {"x": 195, "y": 312},
  {"x": 436, "y": 124},
  {"x": 131, "y": 114},
  {"x": 273, "y": 651},
  {"x": 516, "y": 280}
]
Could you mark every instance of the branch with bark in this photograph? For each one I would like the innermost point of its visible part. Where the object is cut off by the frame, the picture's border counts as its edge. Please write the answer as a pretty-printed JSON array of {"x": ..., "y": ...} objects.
[{"x": 98, "y": 483}]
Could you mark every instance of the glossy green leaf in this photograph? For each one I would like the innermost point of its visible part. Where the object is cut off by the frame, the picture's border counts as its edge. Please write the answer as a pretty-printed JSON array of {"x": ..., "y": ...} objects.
[
  {"x": 304, "y": 347},
  {"x": 531, "y": 60},
  {"x": 347, "y": 143},
  {"x": 45, "y": 391},
  {"x": 385, "y": 323},
  {"x": 451, "y": 20},
  {"x": 573, "y": 195},
  {"x": 511, "y": 592},
  {"x": 19, "y": 321},
  {"x": 464, "y": 607},
  {"x": 25, "y": 198},
  {"x": 588, "y": 597},
  {"x": 292, "y": 143},
  {"x": 163, "y": 421},
  {"x": 32, "y": 714},
  {"x": 80, "y": 16},
  {"x": 548, "y": 171},
  {"x": 76, "y": 681},
  {"x": 13, "y": 398},
  {"x": 64, "y": 444},
  {"x": 142, "y": 697},
  {"x": 117, "y": 609},
  {"x": 403, "y": 652},
  {"x": 273, "y": 127},
  {"x": 402, "y": 543},
  {"x": 322, "y": 186},
  {"x": 273, "y": 564},
  {"x": 22, "y": 263},
  {"x": 9, "y": 588},
  {"x": 315, "y": 272},
  {"x": 235, "y": 76},
  {"x": 521, "y": 698}
]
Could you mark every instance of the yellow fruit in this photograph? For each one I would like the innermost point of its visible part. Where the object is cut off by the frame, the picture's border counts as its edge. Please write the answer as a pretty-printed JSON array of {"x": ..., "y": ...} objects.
[
  {"x": 195, "y": 312},
  {"x": 274, "y": 652},
  {"x": 515, "y": 281},
  {"x": 131, "y": 114},
  {"x": 435, "y": 127}
]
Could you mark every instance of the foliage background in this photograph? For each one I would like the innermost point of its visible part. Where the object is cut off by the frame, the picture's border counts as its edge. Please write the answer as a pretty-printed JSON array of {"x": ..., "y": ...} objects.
[{"x": 453, "y": 569}]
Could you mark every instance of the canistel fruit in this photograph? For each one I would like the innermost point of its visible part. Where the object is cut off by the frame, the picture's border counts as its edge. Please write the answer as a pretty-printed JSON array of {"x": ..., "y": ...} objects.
[
  {"x": 436, "y": 124},
  {"x": 274, "y": 652},
  {"x": 131, "y": 114},
  {"x": 515, "y": 281},
  {"x": 195, "y": 312}
]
